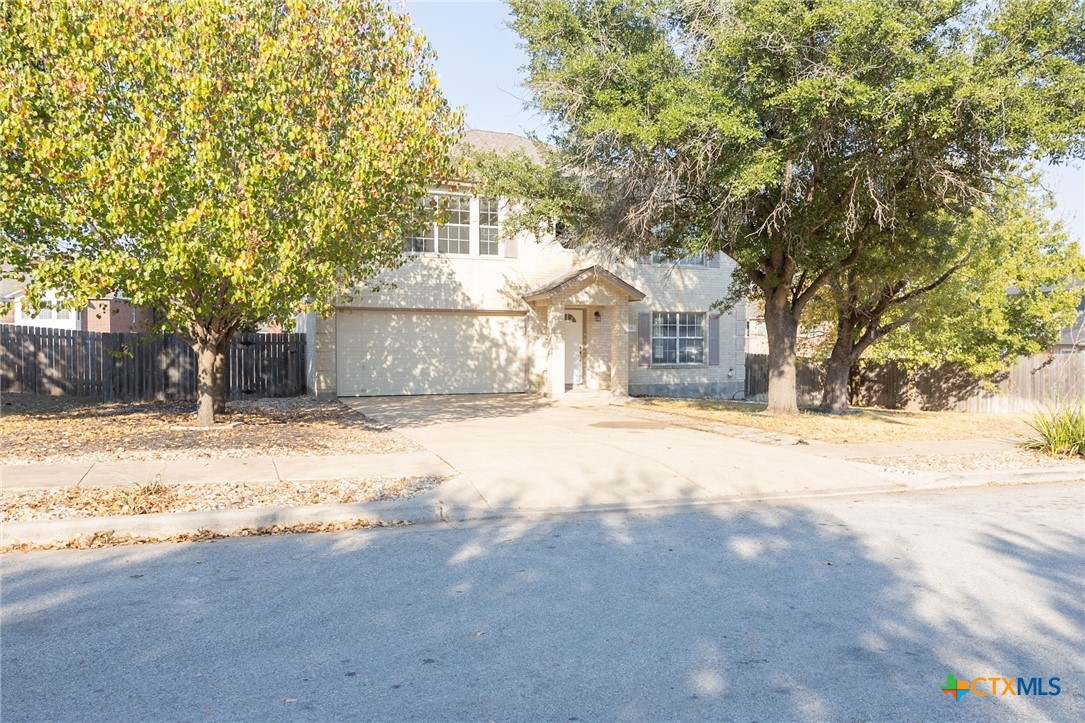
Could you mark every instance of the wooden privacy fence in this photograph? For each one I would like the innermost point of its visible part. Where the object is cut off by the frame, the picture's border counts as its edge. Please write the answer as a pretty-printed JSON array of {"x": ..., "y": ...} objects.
[
  {"x": 133, "y": 367},
  {"x": 1032, "y": 383},
  {"x": 808, "y": 379}
]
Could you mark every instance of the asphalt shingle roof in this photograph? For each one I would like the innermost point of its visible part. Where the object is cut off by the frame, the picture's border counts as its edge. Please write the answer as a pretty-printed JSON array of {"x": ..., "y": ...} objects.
[{"x": 501, "y": 143}]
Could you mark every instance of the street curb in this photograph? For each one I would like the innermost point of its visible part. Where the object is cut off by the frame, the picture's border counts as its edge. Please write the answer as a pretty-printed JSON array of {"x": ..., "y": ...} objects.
[
  {"x": 225, "y": 522},
  {"x": 1027, "y": 475},
  {"x": 39, "y": 532},
  {"x": 929, "y": 479}
]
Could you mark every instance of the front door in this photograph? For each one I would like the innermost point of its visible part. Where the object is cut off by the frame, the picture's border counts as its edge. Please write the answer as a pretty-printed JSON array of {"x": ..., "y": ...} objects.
[{"x": 574, "y": 347}]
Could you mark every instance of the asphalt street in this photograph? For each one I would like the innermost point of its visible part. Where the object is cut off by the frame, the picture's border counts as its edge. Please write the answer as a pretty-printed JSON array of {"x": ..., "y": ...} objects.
[{"x": 835, "y": 608}]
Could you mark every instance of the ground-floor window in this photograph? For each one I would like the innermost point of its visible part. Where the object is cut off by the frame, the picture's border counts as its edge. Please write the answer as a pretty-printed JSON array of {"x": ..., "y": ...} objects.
[{"x": 678, "y": 338}]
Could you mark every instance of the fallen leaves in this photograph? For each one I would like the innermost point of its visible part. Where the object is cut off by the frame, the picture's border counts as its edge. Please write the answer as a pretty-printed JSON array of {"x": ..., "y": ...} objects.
[
  {"x": 41, "y": 429},
  {"x": 154, "y": 497},
  {"x": 863, "y": 425},
  {"x": 972, "y": 461},
  {"x": 107, "y": 538}
]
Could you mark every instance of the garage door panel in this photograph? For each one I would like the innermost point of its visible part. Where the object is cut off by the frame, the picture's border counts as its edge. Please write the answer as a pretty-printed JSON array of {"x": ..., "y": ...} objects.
[{"x": 390, "y": 353}]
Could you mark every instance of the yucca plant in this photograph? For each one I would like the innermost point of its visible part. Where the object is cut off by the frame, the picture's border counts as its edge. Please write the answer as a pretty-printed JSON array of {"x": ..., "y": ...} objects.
[{"x": 1060, "y": 430}]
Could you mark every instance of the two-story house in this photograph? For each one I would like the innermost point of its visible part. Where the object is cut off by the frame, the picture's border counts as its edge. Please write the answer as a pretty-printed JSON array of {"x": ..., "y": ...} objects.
[{"x": 476, "y": 310}]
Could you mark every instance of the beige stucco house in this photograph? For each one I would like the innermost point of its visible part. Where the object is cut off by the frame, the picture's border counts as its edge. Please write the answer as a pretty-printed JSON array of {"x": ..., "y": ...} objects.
[{"x": 476, "y": 310}]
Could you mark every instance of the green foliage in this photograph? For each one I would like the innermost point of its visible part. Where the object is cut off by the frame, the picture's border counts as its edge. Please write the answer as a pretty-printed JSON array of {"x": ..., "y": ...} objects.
[
  {"x": 1060, "y": 430},
  {"x": 223, "y": 161},
  {"x": 795, "y": 136},
  {"x": 881, "y": 291},
  {"x": 556, "y": 195},
  {"x": 795, "y": 129},
  {"x": 1012, "y": 296}
]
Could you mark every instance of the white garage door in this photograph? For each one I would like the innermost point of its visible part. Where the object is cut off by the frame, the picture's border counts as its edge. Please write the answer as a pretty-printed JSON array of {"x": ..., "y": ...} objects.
[{"x": 393, "y": 352}]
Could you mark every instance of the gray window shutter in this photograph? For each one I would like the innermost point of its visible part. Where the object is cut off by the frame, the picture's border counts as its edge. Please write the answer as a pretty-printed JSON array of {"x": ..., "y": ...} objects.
[
  {"x": 510, "y": 248},
  {"x": 644, "y": 339},
  {"x": 713, "y": 341},
  {"x": 714, "y": 260}
]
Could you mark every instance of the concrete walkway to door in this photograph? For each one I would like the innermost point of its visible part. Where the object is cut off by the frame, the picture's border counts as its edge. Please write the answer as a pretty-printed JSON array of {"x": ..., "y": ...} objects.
[{"x": 522, "y": 452}]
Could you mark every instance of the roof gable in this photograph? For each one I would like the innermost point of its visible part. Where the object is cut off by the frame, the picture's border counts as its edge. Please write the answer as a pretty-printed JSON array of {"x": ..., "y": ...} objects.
[{"x": 592, "y": 274}]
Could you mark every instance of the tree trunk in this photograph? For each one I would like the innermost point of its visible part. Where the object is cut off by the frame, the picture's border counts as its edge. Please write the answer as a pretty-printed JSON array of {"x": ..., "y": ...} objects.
[
  {"x": 834, "y": 392},
  {"x": 220, "y": 379},
  {"x": 206, "y": 354},
  {"x": 782, "y": 329}
]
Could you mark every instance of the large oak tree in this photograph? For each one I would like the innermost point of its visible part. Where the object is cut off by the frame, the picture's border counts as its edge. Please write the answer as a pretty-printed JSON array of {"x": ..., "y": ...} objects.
[
  {"x": 792, "y": 135},
  {"x": 976, "y": 292},
  {"x": 221, "y": 161}
]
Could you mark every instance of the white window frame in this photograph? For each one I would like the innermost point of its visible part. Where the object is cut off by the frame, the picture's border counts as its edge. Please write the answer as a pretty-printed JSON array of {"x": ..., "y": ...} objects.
[
  {"x": 495, "y": 215},
  {"x": 697, "y": 261},
  {"x": 429, "y": 241},
  {"x": 463, "y": 230},
  {"x": 49, "y": 316},
  {"x": 424, "y": 237},
  {"x": 681, "y": 321}
]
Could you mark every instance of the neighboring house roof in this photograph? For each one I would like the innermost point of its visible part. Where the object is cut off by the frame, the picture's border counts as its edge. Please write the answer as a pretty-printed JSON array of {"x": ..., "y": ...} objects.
[
  {"x": 501, "y": 143},
  {"x": 573, "y": 278}
]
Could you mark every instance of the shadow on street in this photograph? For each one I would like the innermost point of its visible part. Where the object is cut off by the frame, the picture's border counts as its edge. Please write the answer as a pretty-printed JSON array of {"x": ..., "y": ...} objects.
[{"x": 838, "y": 609}]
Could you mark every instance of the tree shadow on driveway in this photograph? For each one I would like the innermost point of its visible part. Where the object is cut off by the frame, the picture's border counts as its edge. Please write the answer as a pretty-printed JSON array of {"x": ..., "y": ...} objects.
[
  {"x": 822, "y": 610},
  {"x": 426, "y": 411}
]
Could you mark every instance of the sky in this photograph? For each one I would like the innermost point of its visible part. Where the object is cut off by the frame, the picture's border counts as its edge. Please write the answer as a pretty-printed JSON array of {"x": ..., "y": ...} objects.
[{"x": 479, "y": 62}]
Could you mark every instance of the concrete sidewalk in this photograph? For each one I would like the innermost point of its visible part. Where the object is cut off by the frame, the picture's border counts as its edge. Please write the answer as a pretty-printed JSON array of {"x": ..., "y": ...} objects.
[{"x": 257, "y": 469}]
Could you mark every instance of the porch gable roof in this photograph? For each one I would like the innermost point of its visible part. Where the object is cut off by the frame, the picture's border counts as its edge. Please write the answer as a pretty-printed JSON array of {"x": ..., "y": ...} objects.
[{"x": 592, "y": 274}]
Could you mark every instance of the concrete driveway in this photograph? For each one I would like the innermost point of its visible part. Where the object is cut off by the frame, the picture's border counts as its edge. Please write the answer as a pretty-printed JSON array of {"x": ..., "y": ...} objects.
[{"x": 518, "y": 451}]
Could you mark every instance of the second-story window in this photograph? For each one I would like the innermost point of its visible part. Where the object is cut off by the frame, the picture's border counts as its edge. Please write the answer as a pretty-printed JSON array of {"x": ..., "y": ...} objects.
[
  {"x": 459, "y": 221},
  {"x": 660, "y": 259},
  {"x": 420, "y": 240},
  {"x": 487, "y": 227},
  {"x": 454, "y": 229}
]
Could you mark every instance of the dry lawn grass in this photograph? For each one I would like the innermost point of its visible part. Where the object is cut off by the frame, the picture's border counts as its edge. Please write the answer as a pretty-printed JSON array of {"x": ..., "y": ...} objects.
[
  {"x": 43, "y": 429},
  {"x": 865, "y": 425}
]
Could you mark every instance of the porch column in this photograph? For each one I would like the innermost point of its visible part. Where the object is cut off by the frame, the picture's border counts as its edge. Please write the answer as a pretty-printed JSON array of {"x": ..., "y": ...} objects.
[
  {"x": 555, "y": 329},
  {"x": 619, "y": 349}
]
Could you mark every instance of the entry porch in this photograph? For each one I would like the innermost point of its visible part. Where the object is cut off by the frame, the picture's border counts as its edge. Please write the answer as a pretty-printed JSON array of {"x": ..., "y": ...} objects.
[{"x": 582, "y": 325}]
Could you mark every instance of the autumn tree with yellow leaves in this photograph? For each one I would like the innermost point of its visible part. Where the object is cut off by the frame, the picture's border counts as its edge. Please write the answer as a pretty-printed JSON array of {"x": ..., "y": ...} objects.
[{"x": 220, "y": 161}]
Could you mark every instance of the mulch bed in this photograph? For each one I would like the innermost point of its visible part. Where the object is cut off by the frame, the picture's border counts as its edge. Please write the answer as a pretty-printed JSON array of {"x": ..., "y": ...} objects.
[{"x": 40, "y": 429}]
